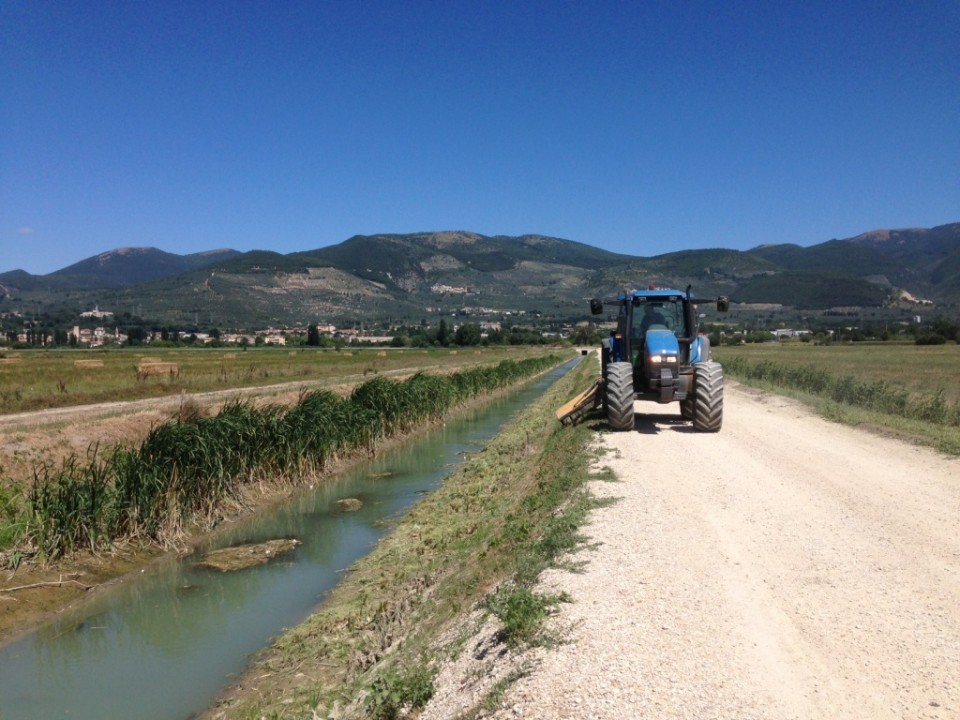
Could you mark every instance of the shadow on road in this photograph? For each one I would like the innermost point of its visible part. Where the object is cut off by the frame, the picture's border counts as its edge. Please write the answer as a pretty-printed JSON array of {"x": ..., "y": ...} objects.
[
  {"x": 644, "y": 423},
  {"x": 651, "y": 424}
]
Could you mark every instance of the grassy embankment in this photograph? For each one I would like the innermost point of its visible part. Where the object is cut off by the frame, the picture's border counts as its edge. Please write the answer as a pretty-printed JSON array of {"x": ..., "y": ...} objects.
[
  {"x": 40, "y": 379},
  {"x": 909, "y": 390},
  {"x": 481, "y": 540},
  {"x": 187, "y": 469}
]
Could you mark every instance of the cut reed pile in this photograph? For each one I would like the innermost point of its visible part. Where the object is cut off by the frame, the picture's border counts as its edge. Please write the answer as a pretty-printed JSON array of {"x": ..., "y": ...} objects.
[{"x": 187, "y": 469}]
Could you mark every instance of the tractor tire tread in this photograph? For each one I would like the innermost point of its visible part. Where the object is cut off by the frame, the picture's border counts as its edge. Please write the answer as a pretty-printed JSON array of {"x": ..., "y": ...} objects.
[
  {"x": 708, "y": 394},
  {"x": 619, "y": 395}
]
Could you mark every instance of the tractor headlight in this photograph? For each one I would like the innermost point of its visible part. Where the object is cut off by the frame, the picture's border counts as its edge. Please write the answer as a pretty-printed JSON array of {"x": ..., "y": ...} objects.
[{"x": 657, "y": 359}]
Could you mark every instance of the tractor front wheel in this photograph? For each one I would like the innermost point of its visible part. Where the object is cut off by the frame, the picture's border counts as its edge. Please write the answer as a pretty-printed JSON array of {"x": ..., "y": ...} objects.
[
  {"x": 618, "y": 391},
  {"x": 708, "y": 391}
]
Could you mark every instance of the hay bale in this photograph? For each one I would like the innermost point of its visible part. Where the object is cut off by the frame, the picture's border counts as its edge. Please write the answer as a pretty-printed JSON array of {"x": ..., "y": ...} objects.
[
  {"x": 157, "y": 369},
  {"x": 88, "y": 363}
]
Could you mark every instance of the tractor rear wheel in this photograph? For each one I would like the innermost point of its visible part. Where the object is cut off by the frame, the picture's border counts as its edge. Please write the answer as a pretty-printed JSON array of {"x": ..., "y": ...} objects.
[
  {"x": 708, "y": 394},
  {"x": 618, "y": 391}
]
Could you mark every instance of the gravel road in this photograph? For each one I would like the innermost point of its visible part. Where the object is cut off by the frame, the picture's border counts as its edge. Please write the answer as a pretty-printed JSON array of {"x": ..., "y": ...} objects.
[{"x": 786, "y": 567}]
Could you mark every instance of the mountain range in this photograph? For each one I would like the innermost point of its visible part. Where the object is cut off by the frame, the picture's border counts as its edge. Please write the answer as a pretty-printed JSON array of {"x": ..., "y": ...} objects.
[{"x": 402, "y": 278}]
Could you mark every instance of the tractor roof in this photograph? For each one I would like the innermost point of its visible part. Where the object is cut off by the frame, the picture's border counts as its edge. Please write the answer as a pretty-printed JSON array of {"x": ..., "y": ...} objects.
[{"x": 654, "y": 294}]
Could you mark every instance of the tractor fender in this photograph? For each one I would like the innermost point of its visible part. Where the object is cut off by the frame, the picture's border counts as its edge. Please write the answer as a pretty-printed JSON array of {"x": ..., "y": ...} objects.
[
  {"x": 613, "y": 349},
  {"x": 700, "y": 350},
  {"x": 605, "y": 357}
]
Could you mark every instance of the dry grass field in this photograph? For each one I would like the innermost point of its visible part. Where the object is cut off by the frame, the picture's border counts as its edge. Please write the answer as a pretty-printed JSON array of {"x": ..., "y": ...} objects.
[
  {"x": 909, "y": 391},
  {"x": 921, "y": 370}
]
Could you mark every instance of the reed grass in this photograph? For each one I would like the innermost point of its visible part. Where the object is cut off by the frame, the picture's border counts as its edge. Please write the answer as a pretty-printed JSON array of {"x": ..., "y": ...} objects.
[{"x": 186, "y": 469}]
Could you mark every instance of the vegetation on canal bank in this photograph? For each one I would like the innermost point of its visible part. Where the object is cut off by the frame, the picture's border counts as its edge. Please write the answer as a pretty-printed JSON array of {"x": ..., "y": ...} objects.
[
  {"x": 185, "y": 470},
  {"x": 478, "y": 543}
]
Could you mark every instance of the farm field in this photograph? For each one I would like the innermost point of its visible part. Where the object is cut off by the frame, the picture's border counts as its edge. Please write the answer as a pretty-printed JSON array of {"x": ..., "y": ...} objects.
[
  {"x": 921, "y": 370},
  {"x": 906, "y": 390},
  {"x": 36, "y": 380},
  {"x": 40, "y": 425}
]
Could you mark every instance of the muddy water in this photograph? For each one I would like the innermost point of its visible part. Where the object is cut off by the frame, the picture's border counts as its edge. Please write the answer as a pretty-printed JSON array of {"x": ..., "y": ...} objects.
[{"x": 162, "y": 645}]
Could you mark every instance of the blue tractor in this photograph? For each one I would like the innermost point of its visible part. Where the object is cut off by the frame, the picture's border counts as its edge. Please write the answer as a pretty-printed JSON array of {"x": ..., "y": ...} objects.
[{"x": 657, "y": 353}]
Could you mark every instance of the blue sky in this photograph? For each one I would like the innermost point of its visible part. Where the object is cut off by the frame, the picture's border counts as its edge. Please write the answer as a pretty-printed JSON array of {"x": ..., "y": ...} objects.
[{"x": 639, "y": 127}]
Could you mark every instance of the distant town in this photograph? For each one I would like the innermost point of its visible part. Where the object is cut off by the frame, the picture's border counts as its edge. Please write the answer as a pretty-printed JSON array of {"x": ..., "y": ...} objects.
[
  {"x": 114, "y": 333},
  {"x": 100, "y": 328}
]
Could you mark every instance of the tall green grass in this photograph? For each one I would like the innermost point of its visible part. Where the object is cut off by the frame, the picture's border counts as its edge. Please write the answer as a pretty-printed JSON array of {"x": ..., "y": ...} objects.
[
  {"x": 184, "y": 470},
  {"x": 878, "y": 395}
]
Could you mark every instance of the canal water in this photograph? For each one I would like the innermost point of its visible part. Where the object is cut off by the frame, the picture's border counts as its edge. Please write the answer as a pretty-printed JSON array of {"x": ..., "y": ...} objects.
[{"x": 161, "y": 646}]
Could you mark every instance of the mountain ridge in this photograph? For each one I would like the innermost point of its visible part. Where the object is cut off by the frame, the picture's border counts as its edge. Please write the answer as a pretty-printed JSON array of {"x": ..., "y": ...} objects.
[{"x": 412, "y": 275}]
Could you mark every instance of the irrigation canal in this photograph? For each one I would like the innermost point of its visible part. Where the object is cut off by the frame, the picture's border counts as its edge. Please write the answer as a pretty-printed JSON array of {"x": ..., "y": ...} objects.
[{"x": 160, "y": 647}]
